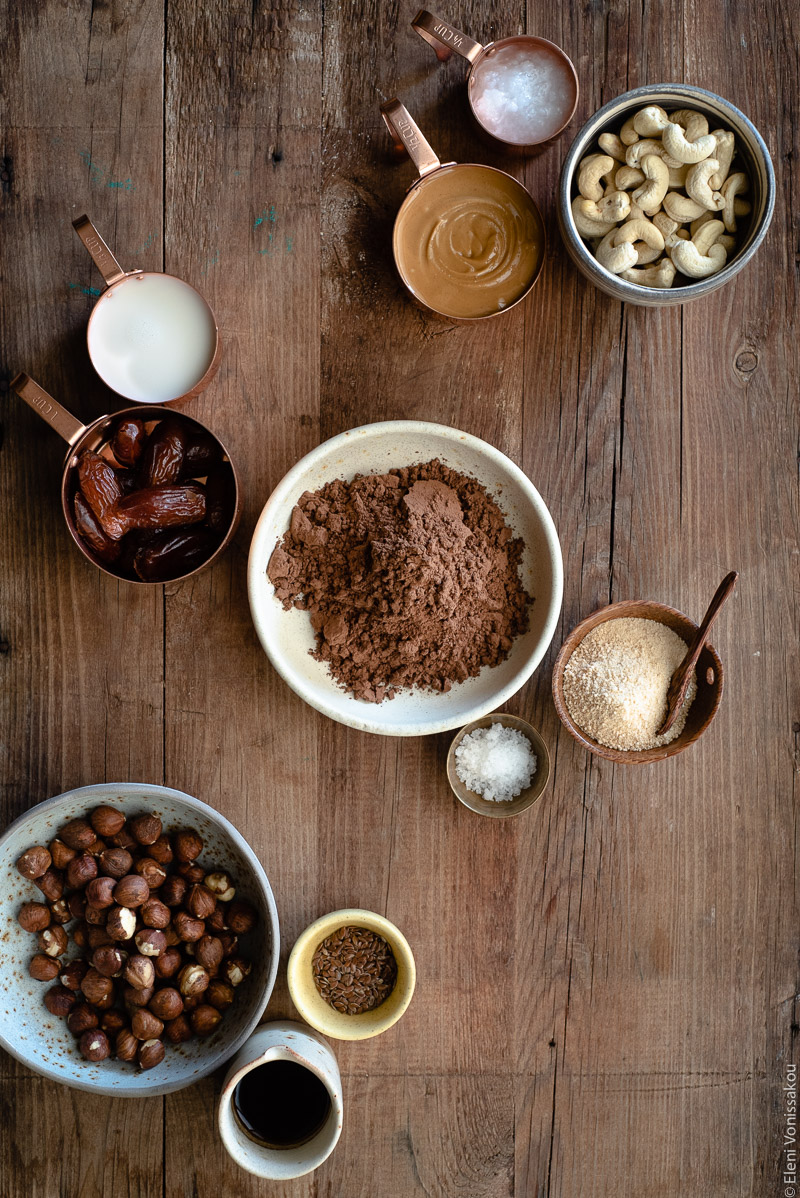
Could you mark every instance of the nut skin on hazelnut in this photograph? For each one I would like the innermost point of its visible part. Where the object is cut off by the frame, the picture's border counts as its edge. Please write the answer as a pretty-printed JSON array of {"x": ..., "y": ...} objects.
[
  {"x": 179, "y": 1030},
  {"x": 230, "y": 943},
  {"x": 161, "y": 850},
  {"x": 146, "y": 829},
  {"x": 145, "y": 1025},
  {"x": 109, "y": 960},
  {"x": 242, "y": 917},
  {"x": 172, "y": 936},
  {"x": 61, "y": 853},
  {"x": 200, "y": 902},
  {"x": 126, "y": 1045},
  {"x": 187, "y": 844},
  {"x": 82, "y": 1018},
  {"x": 51, "y": 884},
  {"x": 121, "y": 923},
  {"x": 78, "y": 834},
  {"x": 155, "y": 914},
  {"x": 131, "y": 891},
  {"x": 81, "y": 870},
  {"x": 96, "y": 988},
  {"x": 115, "y": 863},
  {"x": 44, "y": 968},
  {"x": 53, "y": 941},
  {"x": 96, "y": 916},
  {"x": 122, "y": 840},
  {"x": 73, "y": 973},
  {"x": 219, "y": 994},
  {"x": 204, "y": 1019},
  {"x": 192, "y": 979},
  {"x": 168, "y": 964},
  {"x": 173, "y": 891},
  {"x": 137, "y": 998},
  {"x": 208, "y": 953},
  {"x": 94, "y": 1045},
  {"x": 34, "y": 862},
  {"x": 220, "y": 885},
  {"x": 151, "y": 1053},
  {"x": 112, "y": 1022},
  {"x": 216, "y": 920},
  {"x": 34, "y": 917},
  {"x": 77, "y": 904},
  {"x": 149, "y": 869},
  {"x": 60, "y": 912},
  {"x": 187, "y": 927},
  {"x": 80, "y": 934},
  {"x": 100, "y": 892},
  {"x": 106, "y": 821},
  {"x": 167, "y": 1003},
  {"x": 150, "y": 942},
  {"x": 235, "y": 970},
  {"x": 95, "y": 936},
  {"x": 59, "y": 1001},
  {"x": 191, "y": 872},
  {"x": 140, "y": 972}
]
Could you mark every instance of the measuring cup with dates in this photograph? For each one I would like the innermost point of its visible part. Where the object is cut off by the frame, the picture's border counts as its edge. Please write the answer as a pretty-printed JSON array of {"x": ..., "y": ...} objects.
[{"x": 149, "y": 494}]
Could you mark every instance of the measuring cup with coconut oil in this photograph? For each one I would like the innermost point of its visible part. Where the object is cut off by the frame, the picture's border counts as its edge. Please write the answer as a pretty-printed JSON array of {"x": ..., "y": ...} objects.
[{"x": 152, "y": 338}]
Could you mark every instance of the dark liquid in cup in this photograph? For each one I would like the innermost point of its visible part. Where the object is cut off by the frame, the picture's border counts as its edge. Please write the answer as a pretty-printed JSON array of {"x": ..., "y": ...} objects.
[{"x": 281, "y": 1104}]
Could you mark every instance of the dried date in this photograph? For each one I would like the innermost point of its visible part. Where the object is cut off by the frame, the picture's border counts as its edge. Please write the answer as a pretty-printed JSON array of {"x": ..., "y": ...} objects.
[
  {"x": 220, "y": 498},
  {"x": 164, "y": 506},
  {"x": 202, "y": 454},
  {"x": 163, "y": 457},
  {"x": 91, "y": 533},
  {"x": 128, "y": 441},
  {"x": 102, "y": 492},
  {"x": 172, "y": 554}
]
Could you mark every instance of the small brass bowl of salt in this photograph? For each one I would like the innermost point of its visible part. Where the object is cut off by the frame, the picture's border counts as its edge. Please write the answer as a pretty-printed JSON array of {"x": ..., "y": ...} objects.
[{"x": 498, "y": 765}]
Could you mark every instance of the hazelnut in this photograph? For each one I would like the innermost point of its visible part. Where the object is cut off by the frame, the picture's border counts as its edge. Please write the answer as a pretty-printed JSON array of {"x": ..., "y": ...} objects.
[
  {"x": 166, "y": 1004},
  {"x": 53, "y": 941},
  {"x": 187, "y": 927},
  {"x": 51, "y": 884},
  {"x": 60, "y": 912},
  {"x": 80, "y": 871},
  {"x": 140, "y": 972},
  {"x": 115, "y": 863},
  {"x": 44, "y": 968},
  {"x": 106, "y": 821},
  {"x": 126, "y": 1045},
  {"x": 73, "y": 973},
  {"x": 220, "y": 994},
  {"x": 95, "y": 987},
  {"x": 151, "y": 1053},
  {"x": 134, "y": 998},
  {"x": 122, "y": 839},
  {"x": 131, "y": 891},
  {"x": 191, "y": 872},
  {"x": 77, "y": 834},
  {"x": 200, "y": 901},
  {"x": 100, "y": 891},
  {"x": 220, "y": 885},
  {"x": 216, "y": 920},
  {"x": 108, "y": 960},
  {"x": 121, "y": 923},
  {"x": 178, "y": 1031},
  {"x": 187, "y": 845},
  {"x": 145, "y": 828},
  {"x": 242, "y": 917},
  {"x": 161, "y": 850},
  {"x": 59, "y": 1001},
  {"x": 171, "y": 936},
  {"x": 95, "y": 936},
  {"x": 77, "y": 904},
  {"x": 80, "y": 936},
  {"x": 235, "y": 970},
  {"x": 230, "y": 944},
  {"x": 94, "y": 1045},
  {"x": 208, "y": 953},
  {"x": 82, "y": 1019},
  {"x": 34, "y": 862},
  {"x": 33, "y": 917},
  {"x": 173, "y": 890},
  {"x": 96, "y": 916},
  {"x": 97, "y": 847},
  {"x": 153, "y": 873},
  {"x": 192, "y": 979},
  {"x": 61, "y": 853},
  {"x": 204, "y": 1019},
  {"x": 168, "y": 964},
  {"x": 150, "y": 942},
  {"x": 193, "y": 1000},
  {"x": 155, "y": 914},
  {"x": 112, "y": 1022},
  {"x": 145, "y": 1025}
]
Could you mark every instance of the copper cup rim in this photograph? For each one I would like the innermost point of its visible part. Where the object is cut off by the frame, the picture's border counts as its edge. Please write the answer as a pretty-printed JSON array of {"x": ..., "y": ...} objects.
[
  {"x": 210, "y": 370},
  {"x": 488, "y": 49},
  {"x": 148, "y": 412},
  {"x": 448, "y": 166}
]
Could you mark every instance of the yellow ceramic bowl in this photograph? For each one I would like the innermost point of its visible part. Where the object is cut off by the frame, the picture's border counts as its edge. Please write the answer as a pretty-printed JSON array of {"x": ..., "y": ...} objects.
[{"x": 313, "y": 1007}]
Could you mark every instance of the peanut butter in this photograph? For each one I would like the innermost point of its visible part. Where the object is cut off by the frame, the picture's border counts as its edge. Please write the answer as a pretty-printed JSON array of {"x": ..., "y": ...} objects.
[{"x": 468, "y": 241}]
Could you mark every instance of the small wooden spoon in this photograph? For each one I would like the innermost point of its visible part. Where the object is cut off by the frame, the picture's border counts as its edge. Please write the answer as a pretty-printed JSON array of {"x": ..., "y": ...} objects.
[{"x": 679, "y": 683}]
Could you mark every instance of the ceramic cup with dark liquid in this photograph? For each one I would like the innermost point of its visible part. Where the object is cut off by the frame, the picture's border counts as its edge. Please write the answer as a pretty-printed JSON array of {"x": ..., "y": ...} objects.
[{"x": 280, "y": 1111}]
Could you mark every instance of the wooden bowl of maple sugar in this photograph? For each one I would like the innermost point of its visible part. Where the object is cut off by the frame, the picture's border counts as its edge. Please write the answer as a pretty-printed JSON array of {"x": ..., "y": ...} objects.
[{"x": 709, "y": 680}]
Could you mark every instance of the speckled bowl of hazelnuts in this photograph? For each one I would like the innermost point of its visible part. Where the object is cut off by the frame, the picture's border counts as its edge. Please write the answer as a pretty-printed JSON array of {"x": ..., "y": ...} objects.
[{"x": 140, "y": 939}]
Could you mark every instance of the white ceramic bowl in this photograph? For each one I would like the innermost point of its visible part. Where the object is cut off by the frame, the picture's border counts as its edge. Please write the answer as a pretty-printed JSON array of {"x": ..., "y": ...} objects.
[
  {"x": 43, "y": 1042},
  {"x": 373, "y": 449}
]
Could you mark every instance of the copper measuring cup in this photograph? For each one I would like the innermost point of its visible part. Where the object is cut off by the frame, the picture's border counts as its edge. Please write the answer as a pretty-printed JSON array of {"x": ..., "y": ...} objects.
[
  {"x": 407, "y": 136},
  {"x": 95, "y": 436},
  {"x": 115, "y": 278},
  {"x": 445, "y": 39}
]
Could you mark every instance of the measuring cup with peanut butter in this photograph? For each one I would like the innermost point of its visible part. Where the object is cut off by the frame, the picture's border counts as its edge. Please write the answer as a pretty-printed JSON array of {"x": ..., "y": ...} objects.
[{"x": 468, "y": 240}]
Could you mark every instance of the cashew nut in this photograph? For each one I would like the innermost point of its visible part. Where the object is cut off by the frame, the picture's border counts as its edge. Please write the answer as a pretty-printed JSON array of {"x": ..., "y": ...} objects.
[
  {"x": 647, "y": 239},
  {"x": 615, "y": 258},
  {"x": 692, "y": 121},
  {"x": 627, "y": 133},
  {"x": 660, "y": 274},
  {"x": 615, "y": 205},
  {"x": 705, "y": 237},
  {"x": 591, "y": 171},
  {"x": 628, "y": 176},
  {"x": 730, "y": 189},
  {"x": 690, "y": 262},
  {"x": 697, "y": 186},
  {"x": 636, "y": 213},
  {"x": 681, "y": 208},
  {"x": 649, "y": 121},
  {"x": 742, "y": 207},
  {"x": 678, "y": 146},
  {"x": 701, "y": 220},
  {"x": 727, "y": 240},
  {"x": 611, "y": 144},
  {"x": 665, "y": 224},
  {"x": 726, "y": 148},
  {"x": 677, "y": 175},
  {"x": 588, "y": 219},
  {"x": 673, "y": 239},
  {"x": 650, "y": 195}
]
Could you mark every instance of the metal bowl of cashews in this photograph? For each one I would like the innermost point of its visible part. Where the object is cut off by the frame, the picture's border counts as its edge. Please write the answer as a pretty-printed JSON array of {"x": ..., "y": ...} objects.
[{"x": 666, "y": 194}]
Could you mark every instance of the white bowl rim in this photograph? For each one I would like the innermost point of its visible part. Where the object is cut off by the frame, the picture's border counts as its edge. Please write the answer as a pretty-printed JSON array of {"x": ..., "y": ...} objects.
[
  {"x": 153, "y": 790},
  {"x": 261, "y": 548}
]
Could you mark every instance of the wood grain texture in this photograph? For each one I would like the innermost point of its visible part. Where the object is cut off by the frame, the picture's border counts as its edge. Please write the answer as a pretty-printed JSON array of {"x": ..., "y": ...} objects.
[{"x": 607, "y": 985}]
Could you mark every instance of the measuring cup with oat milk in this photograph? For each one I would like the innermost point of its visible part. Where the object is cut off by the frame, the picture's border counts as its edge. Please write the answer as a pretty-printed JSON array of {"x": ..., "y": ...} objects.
[{"x": 152, "y": 338}]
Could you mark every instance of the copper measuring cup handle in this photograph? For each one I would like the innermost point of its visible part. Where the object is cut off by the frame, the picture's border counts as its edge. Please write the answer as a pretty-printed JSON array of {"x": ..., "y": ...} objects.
[
  {"x": 64, "y": 423},
  {"x": 407, "y": 136},
  {"x": 101, "y": 255},
  {"x": 444, "y": 38}
]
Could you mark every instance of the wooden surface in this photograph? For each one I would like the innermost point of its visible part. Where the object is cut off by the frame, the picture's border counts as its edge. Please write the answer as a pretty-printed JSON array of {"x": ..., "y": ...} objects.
[{"x": 606, "y": 999}]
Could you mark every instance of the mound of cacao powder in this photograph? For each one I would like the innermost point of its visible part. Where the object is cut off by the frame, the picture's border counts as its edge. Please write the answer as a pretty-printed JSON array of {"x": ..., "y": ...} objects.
[{"x": 410, "y": 578}]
